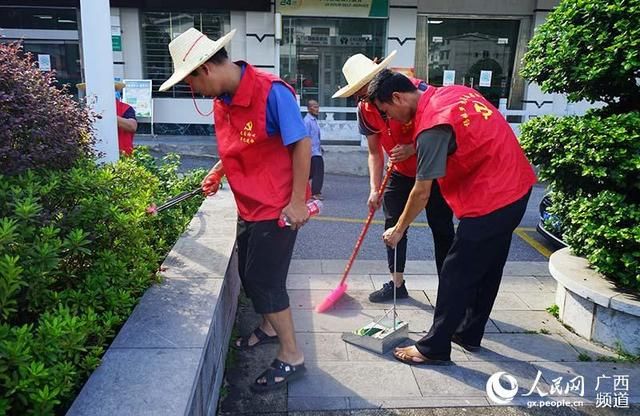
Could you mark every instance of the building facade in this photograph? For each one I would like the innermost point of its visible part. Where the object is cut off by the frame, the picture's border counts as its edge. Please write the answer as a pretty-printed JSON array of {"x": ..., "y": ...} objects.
[{"x": 466, "y": 42}]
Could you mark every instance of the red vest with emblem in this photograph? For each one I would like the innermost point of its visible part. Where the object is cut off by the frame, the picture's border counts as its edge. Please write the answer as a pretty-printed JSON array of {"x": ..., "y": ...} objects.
[
  {"x": 488, "y": 170},
  {"x": 125, "y": 138},
  {"x": 391, "y": 133},
  {"x": 258, "y": 166}
]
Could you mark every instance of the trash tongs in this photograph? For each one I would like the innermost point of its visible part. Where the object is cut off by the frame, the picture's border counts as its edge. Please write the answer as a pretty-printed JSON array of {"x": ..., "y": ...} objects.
[{"x": 153, "y": 209}]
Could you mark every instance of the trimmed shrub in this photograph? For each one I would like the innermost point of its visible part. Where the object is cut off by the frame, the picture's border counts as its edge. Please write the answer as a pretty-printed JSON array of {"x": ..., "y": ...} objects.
[
  {"x": 590, "y": 50},
  {"x": 77, "y": 250},
  {"x": 42, "y": 126}
]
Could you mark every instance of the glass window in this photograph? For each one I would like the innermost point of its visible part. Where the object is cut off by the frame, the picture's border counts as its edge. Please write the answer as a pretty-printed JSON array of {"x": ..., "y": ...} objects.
[
  {"x": 12, "y": 17},
  {"x": 471, "y": 46},
  {"x": 314, "y": 49},
  {"x": 160, "y": 28}
]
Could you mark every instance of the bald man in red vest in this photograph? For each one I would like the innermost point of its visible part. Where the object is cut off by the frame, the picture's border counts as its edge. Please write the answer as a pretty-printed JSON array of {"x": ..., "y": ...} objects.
[{"x": 466, "y": 145}]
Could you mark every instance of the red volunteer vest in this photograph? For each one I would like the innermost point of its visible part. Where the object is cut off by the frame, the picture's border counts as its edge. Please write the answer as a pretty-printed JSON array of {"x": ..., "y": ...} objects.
[
  {"x": 258, "y": 167},
  {"x": 392, "y": 132},
  {"x": 488, "y": 170},
  {"x": 125, "y": 138}
]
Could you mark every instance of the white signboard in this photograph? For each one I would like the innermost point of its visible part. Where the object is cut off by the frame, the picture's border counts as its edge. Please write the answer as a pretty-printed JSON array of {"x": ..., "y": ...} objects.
[
  {"x": 449, "y": 77},
  {"x": 437, "y": 39},
  {"x": 485, "y": 78},
  {"x": 137, "y": 93},
  {"x": 44, "y": 62}
]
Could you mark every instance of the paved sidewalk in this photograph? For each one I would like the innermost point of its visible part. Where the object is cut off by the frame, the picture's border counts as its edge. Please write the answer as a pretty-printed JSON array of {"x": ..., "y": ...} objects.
[{"x": 522, "y": 339}]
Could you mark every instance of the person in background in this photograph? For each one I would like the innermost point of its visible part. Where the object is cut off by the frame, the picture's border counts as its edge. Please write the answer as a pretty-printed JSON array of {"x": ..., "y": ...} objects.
[
  {"x": 395, "y": 139},
  {"x": 126, "y": 118},
  {"x": 127, "y": 122},
  {"x": 317, "y": 162},
  {"x": 265, "y": 155}
]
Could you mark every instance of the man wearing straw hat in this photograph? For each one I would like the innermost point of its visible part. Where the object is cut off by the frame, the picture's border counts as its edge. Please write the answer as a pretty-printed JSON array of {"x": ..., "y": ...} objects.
[
  {"x": 396, "y": 140},
  {"x": 465, "y": 144},
  {"x": 265, "y": 154}
]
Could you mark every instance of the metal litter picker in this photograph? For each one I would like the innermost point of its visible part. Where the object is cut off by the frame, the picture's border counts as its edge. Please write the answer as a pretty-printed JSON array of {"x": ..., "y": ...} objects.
[{"x": 383, "y": 333}]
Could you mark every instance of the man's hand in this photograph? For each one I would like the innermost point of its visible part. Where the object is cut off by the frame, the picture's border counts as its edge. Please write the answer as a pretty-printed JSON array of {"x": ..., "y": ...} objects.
[
  {"x": 211, "y": 183},
  {"x": 402, "y": 152},
  {"x": 297, "y": 214},
  {"x": 391, "y": 236},
  {"x": 373, "y": 202}
]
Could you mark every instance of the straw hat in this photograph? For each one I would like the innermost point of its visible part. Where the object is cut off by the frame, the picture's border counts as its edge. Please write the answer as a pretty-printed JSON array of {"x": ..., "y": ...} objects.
[
  {"x": 358, "y": 71},
  {"x": 118, "y": 85},
  {"x": 190, "y": 50}
]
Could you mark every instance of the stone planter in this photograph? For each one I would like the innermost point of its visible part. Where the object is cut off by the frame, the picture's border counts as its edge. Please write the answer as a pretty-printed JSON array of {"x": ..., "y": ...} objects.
[{"x": 593, "y": 306}]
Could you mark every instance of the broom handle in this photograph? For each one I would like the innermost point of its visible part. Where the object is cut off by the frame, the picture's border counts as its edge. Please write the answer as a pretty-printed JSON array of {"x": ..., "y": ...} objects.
[{"x": 372, "y": 212}]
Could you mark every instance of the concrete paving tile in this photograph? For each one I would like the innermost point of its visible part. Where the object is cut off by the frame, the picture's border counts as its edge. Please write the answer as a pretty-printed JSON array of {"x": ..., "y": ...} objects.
[
  {"x": 322, "y": 347},
  {"x": 354, "y": 299},
  {"x": 424, "y": 402},
  {"x": 593, "y": 350},
  {"x": 305, "y": 404},
  {"x": 538, "y": 301},
  {"x": 504, "y": 301},
  {"x": 176, "y": 313},
  {"x": 527, "y": 268},
  {"x": 590, "y": 371},
  {"x": 327, "y": 281},
  {"x": 305, "y": 266},
  {"x": 336, "y": 321},
  {"x": 524, "y": 347},
  {"x": 189, "y": 259},
  {"x": 356, "y": 353},
  {"x": 346, "y": 379},
  {"x": 359, "y": 266},
  {"x": 412, "y": 282},
  {"x": 469, "y": 379},
  {"x": 139, "y": 381},
  {"x": 512, "y": 283},
  {"x": 526, "y": 321},
  {"x": 420, "y": 267},
  {"x": 421, "y": 320}
]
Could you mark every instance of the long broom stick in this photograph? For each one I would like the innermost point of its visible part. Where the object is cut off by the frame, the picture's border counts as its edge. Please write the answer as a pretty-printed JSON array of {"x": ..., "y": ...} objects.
[{"x": 336, "y": 293}]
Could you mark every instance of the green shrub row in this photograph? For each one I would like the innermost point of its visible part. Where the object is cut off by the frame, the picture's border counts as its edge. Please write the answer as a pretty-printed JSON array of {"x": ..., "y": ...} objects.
[{"x": 77, "y": 250}]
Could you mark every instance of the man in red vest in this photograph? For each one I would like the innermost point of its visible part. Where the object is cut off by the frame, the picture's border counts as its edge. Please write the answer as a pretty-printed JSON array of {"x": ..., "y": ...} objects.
[
  {"x": 464, "y": 143},
  {"x": 396, "y": 140},
  {"x": 265, "y": 154},
  {"x": 127, "y": 124}
]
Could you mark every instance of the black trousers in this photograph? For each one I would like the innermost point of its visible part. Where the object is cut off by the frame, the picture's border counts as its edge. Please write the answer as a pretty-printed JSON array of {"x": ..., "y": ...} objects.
[
  {"x": 316, "y": 174},
  {"x": 471, "y": 278},
  {"x": 439, "y": 218}
]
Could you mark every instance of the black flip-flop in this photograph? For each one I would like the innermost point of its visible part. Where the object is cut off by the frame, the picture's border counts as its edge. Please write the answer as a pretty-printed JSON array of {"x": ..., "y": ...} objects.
[
  {"x": 263, "y": 338},
  {"x": 287, "y": 372}
]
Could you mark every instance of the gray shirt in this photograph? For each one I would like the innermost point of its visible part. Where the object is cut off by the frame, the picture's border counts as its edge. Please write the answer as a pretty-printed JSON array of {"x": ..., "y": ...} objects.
[{"x": 432, "y": 148}]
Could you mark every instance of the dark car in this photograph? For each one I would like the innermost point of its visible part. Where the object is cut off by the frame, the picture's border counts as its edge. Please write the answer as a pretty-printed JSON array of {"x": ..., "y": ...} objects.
[{"x": 550, "y": 226}]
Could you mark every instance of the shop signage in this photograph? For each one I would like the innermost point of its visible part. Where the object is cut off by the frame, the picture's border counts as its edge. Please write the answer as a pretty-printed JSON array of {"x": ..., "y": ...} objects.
[
  {"x": 333, "y": 8},
  {"x": 137, "y": 93},
  {"x": 116, "y": 39}
]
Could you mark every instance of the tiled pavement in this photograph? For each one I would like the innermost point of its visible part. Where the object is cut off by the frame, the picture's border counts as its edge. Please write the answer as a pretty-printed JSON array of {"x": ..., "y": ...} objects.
[{"x": 522, "y": 339}]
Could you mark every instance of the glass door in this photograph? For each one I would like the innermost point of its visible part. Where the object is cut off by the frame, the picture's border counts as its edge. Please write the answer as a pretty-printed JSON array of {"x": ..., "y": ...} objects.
[{"x": 476, "y": 53}]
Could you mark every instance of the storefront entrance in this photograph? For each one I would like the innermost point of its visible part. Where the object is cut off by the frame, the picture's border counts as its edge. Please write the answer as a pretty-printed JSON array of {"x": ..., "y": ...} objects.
[{"x": 314, "y": 50}]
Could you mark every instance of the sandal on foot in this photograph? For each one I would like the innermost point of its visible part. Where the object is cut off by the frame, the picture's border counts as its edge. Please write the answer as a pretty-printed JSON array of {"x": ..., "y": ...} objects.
[
  {"x": 262, "y": 337},
  {"x": 278, "y": 369},
  {"x": 422, "y": 360}
]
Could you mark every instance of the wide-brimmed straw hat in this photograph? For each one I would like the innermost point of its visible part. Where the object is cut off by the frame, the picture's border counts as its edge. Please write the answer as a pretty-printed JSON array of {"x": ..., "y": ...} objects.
[
  {"x": 118, "y": 85},
  {"x": 190, "y": 50},
  {"x": 358, "y": 71}
]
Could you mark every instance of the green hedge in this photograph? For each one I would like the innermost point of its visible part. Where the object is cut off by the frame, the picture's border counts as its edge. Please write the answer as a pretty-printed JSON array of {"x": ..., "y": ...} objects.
[
  {"x": 76, "y": 252},
  {"x": 590, "y": 50},
  {"x": 592, "y": 164}
]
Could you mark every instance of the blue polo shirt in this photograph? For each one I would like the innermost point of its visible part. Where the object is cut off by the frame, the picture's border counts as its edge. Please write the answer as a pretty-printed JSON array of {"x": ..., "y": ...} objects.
[{"x": 283, "y": 113}]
